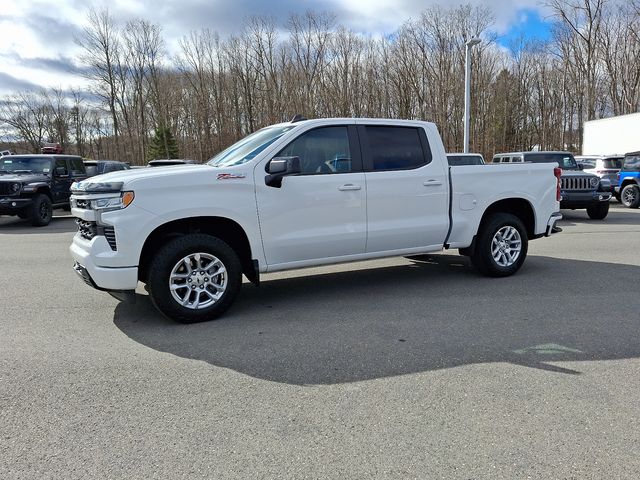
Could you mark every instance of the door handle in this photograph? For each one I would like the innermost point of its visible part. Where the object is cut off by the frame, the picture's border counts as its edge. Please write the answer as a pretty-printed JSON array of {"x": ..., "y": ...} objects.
[
  {"x": 348, "y": 187},
  {"x": 431, "y": 183}
]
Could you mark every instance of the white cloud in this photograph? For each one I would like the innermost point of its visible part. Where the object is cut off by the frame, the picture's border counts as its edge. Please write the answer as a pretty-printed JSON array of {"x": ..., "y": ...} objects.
[{"x": 33, "y": 29}]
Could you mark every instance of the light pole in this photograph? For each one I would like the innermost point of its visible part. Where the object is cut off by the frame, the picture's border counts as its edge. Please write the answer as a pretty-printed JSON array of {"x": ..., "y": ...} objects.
[{"x": 467, "y": 89}]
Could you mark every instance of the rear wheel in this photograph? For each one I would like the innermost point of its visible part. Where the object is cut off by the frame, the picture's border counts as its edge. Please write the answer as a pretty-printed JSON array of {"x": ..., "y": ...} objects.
[
  {"x": 501, "y": 245},
  {"x": 41, "y": 210},
  {"x": 630, "y": 196},
  {"x": 194, "y": 278},
  {"x": 598, "y": 212}
]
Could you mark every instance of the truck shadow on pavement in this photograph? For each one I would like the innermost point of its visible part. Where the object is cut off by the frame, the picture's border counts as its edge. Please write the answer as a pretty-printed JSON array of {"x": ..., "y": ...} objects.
[
  {"x": 61, "y": 222},
  {"x": 431, "y": 314}
]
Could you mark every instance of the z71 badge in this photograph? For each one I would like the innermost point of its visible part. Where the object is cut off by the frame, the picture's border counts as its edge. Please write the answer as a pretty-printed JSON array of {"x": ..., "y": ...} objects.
[{"x": 230, "y": 176}]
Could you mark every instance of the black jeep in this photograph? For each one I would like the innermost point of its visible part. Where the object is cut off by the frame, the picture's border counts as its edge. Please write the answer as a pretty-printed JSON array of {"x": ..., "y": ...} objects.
[{"x": 31, "y": 186}]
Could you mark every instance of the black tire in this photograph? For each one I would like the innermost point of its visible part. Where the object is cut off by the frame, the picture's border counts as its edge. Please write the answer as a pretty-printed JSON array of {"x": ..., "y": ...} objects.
[
  {"x": 169, "y": 256},
  {"x": 41, "y": 211},
  {"x": 482, "y": 257},
  {"x": 630, "y": 196},
  {"x": 598, "y": 212}
]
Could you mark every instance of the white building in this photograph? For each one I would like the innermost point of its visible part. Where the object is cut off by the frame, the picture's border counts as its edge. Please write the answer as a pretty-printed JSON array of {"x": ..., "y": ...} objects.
[{"x": 612, "y": 136}]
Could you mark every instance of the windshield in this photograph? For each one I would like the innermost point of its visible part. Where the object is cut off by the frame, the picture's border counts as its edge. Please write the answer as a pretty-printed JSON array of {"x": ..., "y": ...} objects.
[
  {"x": 460, "y": 160},
  {"x": 25, "y": 165},
  {"x": 564, "y": 160},
  {"x": 247, "y": 148},
  {"x": 612, "y": 163}
]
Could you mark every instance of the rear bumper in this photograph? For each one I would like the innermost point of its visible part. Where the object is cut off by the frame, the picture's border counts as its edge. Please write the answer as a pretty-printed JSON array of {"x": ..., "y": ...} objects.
[
  {"x": 583, "y": 199},
  {"x": 551, "y": 224}
]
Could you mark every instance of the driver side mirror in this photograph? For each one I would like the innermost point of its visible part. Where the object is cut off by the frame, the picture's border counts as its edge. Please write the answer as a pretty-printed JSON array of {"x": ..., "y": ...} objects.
[
  {"x": 580, "y": 166},
  {"x": 280, "y": 167}
]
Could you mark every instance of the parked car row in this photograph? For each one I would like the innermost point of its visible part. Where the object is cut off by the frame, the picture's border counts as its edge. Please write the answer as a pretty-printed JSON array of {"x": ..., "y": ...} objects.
[
  {"x": 580, "y": 188},
  {"x": 623, "y": 171}
]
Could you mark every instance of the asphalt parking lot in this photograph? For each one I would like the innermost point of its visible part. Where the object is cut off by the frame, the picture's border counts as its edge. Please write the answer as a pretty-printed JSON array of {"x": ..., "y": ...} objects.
[{"x": 384, "y": 369}]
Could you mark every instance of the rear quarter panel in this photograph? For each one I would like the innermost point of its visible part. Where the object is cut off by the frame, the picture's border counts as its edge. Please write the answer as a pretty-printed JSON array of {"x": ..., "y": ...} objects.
[{"x": 476, "y": 188}]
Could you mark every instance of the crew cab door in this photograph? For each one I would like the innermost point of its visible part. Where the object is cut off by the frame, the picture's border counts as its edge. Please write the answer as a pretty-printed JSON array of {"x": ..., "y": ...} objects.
[
  {"x": 407, "y": 189},
  {"x": 320, "y": 213}
]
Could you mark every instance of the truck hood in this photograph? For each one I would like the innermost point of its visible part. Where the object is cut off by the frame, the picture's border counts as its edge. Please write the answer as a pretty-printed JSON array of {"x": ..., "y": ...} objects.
[
  {"x": 577, "y": 173},
  {"x": 144, "y": 176},
  {"x": 24, "y": 178}
]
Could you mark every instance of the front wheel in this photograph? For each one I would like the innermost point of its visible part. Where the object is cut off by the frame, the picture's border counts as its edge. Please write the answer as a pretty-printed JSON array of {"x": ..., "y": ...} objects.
[
  {"x": 194, "y": 278},
  {"x": 41, "y": 211},
  {"x": 630, "y": 196},
  {"x": 501, "y": 245},
  {"x": 598, "y": 212}
]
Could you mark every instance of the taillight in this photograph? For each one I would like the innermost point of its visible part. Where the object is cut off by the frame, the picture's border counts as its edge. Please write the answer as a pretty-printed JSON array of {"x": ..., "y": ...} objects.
[{"x": 558, "y": 173}]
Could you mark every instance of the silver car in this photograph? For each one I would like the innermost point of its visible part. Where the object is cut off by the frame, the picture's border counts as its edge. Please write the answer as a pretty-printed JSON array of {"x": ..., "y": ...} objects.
[{"x": 604, "y": 166}]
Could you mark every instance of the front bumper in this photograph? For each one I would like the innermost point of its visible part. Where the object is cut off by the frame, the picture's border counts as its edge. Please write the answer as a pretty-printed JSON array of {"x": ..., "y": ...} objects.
[
  {"x": 102, "y": 278},
  {"x": 11, "y": 206},
  {"x": 583, "y": 199}
]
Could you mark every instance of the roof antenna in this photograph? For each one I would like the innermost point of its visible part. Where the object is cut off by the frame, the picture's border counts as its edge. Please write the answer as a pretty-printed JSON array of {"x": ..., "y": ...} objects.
[{"x": 297, "y": 118}]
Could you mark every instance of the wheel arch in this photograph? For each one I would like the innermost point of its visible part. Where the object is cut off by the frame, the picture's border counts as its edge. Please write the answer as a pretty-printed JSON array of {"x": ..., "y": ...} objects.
[
  {"x": 630, "y": 181},
  {"x": 227, "y": 230},
  {"x": 518, "y": 207}
]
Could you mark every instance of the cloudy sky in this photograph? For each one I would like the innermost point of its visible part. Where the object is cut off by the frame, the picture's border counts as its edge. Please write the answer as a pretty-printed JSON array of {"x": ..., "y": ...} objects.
[{"x": 37, "y": 47}]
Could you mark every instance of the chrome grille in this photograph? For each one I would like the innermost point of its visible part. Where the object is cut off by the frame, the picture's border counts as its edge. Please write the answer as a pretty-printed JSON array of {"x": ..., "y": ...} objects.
[
  {"x": 89, "y": 230},
  {"x": 86, "y": 229},
  {"x": 576, "y": 183},
  {"x": 83, "y": 204},
  {"x": 110, "y": 235}
]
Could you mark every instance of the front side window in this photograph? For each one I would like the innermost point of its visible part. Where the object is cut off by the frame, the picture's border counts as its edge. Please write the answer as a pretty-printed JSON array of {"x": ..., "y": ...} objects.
[
  {"x": 321, "y": 150},
  {"x": 395, "y": 148}
]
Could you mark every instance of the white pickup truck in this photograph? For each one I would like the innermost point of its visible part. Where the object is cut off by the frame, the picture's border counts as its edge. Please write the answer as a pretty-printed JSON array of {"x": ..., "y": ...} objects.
[{"x": 301, "y": 194}]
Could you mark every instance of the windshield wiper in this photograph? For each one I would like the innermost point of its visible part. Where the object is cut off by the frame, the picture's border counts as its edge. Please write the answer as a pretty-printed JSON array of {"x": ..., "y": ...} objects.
[{"x": 23, "y": 171}]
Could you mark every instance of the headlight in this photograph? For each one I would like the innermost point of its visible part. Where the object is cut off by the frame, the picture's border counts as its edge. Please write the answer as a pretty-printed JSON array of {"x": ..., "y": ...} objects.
[
  {"x": 109, "y": 204},
  {"x": 113, "y": 203},
  {"x": 87, "y": 186},
  {"x": 594, "y": 181},
  {"x": 15, "y": 187}
]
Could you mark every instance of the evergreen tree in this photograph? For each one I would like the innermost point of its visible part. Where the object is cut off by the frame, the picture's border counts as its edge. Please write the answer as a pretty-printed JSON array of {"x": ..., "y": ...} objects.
[{"x": 163, "y": 144}]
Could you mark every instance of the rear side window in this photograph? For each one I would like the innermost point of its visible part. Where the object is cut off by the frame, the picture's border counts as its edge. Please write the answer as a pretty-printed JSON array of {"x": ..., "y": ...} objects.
[
  {"x": 62, "y": 165},
  {"x": 76, "y": 165},
  {"x": 396, "y": 148},
  {"x": 632, "y": 163}
]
